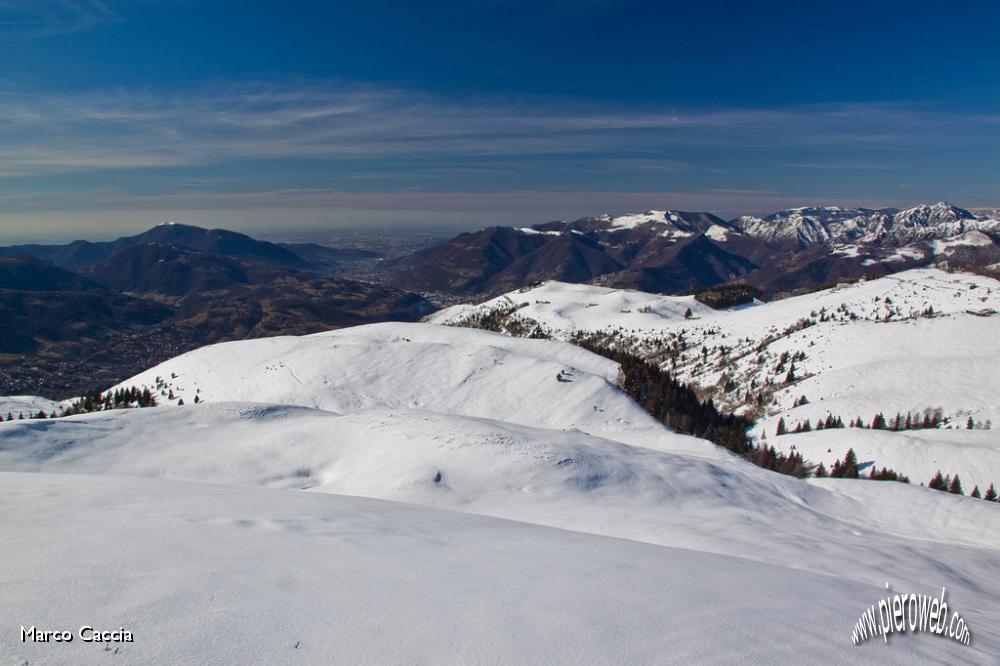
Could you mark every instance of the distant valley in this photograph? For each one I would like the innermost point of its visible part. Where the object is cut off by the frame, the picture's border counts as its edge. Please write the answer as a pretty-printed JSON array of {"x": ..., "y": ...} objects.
[{"x": 79, "y": 317}]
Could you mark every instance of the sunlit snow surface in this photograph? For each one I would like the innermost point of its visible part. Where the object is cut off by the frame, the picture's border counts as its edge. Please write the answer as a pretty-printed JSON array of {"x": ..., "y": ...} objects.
[
  {"x": 234, "y": 530},
  {"x": 914, "y": 341}
]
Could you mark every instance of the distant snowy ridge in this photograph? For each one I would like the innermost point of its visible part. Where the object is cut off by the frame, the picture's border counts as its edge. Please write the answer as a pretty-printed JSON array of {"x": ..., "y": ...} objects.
[
  {"x": 671, "y": 224},
  {"x": 834, "y": 225}
]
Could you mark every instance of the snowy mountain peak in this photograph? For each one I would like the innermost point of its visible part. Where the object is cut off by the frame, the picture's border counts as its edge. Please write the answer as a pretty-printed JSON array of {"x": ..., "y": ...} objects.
[
  {"x": 926, "y": 214},
  {"x": 670, "y": 223},
  {"x": 630, "y": 221}
]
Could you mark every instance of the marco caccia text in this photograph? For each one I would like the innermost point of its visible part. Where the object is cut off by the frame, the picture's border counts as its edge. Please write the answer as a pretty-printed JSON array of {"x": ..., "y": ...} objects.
[{"x": 86, "y": 634}]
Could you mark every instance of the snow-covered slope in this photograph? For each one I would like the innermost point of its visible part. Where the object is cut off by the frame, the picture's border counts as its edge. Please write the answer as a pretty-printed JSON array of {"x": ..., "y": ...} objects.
[
  {"x": 559, "y": 479},
  {"x": 564, "y": 308},
  {"x": 27, "y": 405},
  {"x": 223, "y": 575},
  {"x": 909, "y": 342},
  {"x": 481, "y": 423},
  {"x": 563, "y": 479},
  {"x": 415, "y": 366},
  {"x": 974, "y": 455}
]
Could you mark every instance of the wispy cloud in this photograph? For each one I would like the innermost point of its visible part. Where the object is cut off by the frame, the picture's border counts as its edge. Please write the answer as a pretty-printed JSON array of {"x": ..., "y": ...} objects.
[
  {"x": 840, "y": 165},
  {"x": 43, "y": 18},
  {"x": 225, "y": 124}
]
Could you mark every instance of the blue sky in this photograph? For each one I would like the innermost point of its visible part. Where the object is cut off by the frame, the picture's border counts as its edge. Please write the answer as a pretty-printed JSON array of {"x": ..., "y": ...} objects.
[{"x": 263, "y": 116}]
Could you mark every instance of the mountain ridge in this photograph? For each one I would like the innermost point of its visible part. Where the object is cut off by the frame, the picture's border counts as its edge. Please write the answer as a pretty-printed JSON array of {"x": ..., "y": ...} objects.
[
  {"x": 671, "y": 251},
  {"x": 83, "y": 254}
]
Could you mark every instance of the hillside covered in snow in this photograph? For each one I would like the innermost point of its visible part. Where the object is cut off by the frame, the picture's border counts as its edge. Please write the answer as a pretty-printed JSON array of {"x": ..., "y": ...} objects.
[
  {"x": 234, "y": 575},
  {"x": 631, "y": 542},
  {"x": 915, "y": 343}
]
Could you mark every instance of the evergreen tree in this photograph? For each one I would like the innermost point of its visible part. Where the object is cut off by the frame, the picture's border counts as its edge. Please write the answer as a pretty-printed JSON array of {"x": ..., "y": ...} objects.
[
  {"x": 688, "y": 314},
  {"x": 673, "y": 403},
  {"x": 937, "y": 482},
  {"x": 970, "y": 425},
  {"x": 850, "y": 465},
  {"x": 975, "y": 492},
  {"x": 820, "y": 471},
  {"x": 782, "y": 429},
  {"x": 886, "y": 474},
  {"x": 955, "y": 487},
  {"x": 991, "y": 494}
]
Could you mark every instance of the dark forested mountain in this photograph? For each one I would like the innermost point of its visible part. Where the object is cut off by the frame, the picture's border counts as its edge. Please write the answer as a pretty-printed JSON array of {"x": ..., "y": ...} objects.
[
  {"x": 686, "y": 265},
  {"x": 658, "y": 251},
  {"x": 167, "y": 269},
  {"x": 224, "y": 243},
  {"x": 57, "y": 322},
  {"x": 294, "y": 304},
  {"x": 27, "y": 273},
  {"x": 72, "y": 256},
  {"x": 567, "y": 257},
  {"x": 466, "y": 263},
  {"x": 82, "y": 254}
]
